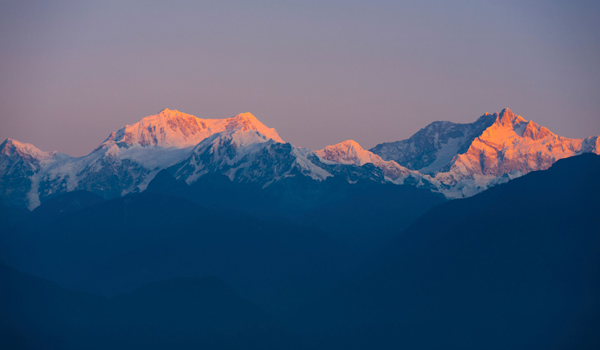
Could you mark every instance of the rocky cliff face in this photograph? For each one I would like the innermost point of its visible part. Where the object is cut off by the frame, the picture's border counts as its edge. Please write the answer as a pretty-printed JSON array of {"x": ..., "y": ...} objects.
[
  {"x": 247, "y": 156},
  {"x": 468, "y": 158},
  {"x": 510, "y": 147},
  {"x": 434, "y": 146}
]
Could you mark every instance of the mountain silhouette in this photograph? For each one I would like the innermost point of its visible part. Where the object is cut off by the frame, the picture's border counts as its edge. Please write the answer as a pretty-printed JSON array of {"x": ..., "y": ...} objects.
[
  {"x": 118, "y": 245},
  {"x": 517, "y": 266},
  {"x": 185, "y": 313}
]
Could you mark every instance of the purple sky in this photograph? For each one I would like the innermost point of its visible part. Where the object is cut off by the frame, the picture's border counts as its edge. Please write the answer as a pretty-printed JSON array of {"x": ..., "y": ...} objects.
[{"x": 320, "y": 72}]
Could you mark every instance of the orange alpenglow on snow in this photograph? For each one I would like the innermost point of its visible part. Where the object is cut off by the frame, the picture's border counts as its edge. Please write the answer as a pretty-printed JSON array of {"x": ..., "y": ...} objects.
[
  {"x": 171, "y": 128},
  {"x": 457, "y": 160},
  {"x": 515, "y": 144}
]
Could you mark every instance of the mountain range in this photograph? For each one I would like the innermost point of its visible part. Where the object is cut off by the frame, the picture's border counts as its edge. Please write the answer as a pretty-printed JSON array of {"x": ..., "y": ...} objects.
[
  {"x": 456, "y": 160},
  {"x": 513, "y": 267},
  {"x": 181, "y": 232}
]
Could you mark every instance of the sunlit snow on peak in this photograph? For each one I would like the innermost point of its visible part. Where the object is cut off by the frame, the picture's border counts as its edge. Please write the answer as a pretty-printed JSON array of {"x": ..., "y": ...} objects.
[{"x": 172, "y": 128}]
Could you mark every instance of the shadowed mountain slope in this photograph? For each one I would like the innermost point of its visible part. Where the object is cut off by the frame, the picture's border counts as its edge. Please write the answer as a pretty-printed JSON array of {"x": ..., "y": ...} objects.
[
  {"x": 517, "y": 266},
  {"x": 362, "y": 216},
  {"x": 119, "y": 245},
  {"x": 182, "y": 313}
]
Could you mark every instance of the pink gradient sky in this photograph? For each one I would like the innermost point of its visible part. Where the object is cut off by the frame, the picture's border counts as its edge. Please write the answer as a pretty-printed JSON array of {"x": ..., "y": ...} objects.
[{"x": 320, "y": 72}]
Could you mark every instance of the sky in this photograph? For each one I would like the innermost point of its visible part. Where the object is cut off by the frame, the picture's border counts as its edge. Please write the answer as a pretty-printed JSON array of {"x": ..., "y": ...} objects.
[{"x": 320, "y": 72}]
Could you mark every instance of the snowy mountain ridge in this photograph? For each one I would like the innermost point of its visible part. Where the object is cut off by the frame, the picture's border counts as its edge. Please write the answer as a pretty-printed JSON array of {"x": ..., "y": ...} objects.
[
  {"x": 458, "y": 160},
  {"x": 11, "y": 147},
  {"x": 469, "y": 158},
  {"x": 434, "y": 146},
  {"x": 171, "y": 128},
  {"x": 248, "y": 156},
  {"x": 350, "y": 152},
  {"x": 240, "y": 147}
]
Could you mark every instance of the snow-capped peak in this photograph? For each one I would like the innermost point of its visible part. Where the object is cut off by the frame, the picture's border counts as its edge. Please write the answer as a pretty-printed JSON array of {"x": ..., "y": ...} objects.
[
  {"x": 169, "y": 128},
  {"x": 172, "y": 128},
  {"x": 247, "y": 121},
  {"x": 469, "y": 157},
  {"x": 247, "y": 155},
  {"x": 12, "y": 147},
  {"x": 512, "y": 146},
  {"x": 348, "y": 152},
  {"x": 512, "y": 129},
  {"x": 457, "y": 159},
  {"x": 507, "y": 118},
  {"x": 246, "y": 116},
  {"x": 535, "y": 131},
  {"x": 236, "y": 138}
]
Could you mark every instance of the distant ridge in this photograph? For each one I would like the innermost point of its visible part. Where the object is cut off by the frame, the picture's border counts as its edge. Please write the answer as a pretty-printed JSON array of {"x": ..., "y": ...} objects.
[{"x": 458, "y": 160}]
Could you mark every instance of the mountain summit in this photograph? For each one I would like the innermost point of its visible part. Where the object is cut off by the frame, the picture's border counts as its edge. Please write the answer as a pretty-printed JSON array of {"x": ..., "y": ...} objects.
[
  {"x": 124, "y": 163},
  {"x": 350, "y": 152},
  {"x": 11, "y": 148},
  {"x": 19, "y": 162},
  {"x": 468, "y": 158},
  {"x": 171, "y": 128},
  {"x": 458, "y": 160}
]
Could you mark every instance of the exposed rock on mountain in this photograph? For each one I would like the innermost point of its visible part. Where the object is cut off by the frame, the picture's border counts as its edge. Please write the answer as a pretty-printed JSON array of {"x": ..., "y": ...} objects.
[
  {"x": 19, "y": 162},
  {"x": 434, "y": 146},
  {"x": 125, "y": 162},
  {"x": 469, "y": 158},
  {"x": 248, "y": 156},
  {"x": 350, "y": 152},
  {"x": 458, "y": 160}
]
